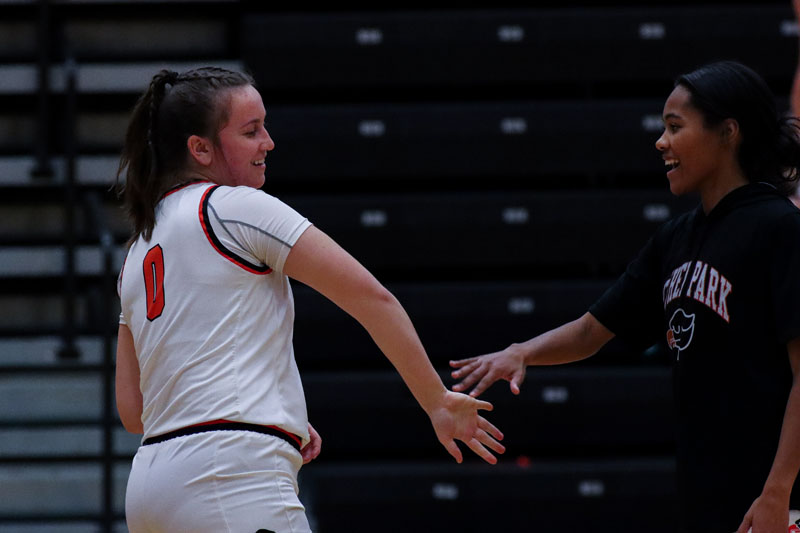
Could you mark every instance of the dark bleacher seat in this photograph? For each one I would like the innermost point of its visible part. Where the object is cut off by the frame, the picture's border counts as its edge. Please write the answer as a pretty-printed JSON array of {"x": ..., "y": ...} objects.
[
  {"x": 526, "y": 144},
  {"x": 503, "y": 48},
  {"x": 494, "y": 234},
  {"x": 454, "y": 320},
  {"x": 532, "y": 141},
  {"x": 569, "y": 411},
  {"x": 543, "y": 496}
]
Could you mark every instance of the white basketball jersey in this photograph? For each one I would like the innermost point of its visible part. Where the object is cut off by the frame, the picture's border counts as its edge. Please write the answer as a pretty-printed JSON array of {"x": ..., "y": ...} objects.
[{"x": 211, "y": 312}]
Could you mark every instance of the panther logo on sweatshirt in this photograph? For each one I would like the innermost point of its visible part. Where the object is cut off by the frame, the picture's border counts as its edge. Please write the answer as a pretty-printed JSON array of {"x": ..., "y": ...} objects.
[{"x": 681, "y": 331}]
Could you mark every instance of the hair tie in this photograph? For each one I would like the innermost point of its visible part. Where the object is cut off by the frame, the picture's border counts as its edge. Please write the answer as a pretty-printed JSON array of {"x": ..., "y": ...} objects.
[{"x": 171, "y": 77}]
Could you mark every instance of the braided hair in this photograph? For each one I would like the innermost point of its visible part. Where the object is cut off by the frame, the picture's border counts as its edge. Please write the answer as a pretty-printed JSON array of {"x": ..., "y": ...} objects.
[{"x": 173, "y": 108}]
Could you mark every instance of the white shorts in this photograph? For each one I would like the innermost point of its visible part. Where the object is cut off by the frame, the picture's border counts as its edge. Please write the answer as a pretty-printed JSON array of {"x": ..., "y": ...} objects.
[{"x": 216, "y": 482}]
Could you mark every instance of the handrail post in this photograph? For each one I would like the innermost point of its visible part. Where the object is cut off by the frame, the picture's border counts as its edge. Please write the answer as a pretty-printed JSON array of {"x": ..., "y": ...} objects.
[
  {"x": 68, "y": 349},
  {"x": 43, "y": 167},
  {"x": 94, "y": 208},
  {"x": 109, "y": 420}
]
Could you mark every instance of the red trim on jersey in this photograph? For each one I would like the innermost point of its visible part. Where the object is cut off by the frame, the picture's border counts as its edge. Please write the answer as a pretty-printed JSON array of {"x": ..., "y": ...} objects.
[
  {"x": 214, "y": 241},
  {"x": 292, "y": 436}
]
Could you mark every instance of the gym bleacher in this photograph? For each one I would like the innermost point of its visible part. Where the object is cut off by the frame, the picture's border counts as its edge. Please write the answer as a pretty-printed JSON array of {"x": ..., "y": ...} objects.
[{"x": 494, "y": 166}]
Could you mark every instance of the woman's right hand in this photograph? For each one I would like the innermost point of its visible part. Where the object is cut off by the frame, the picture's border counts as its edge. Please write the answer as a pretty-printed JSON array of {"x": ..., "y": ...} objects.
[
  {"x": 567, "y": 343},
  {"x": 483, "y": 370},
  {"x": 456, "y": 417}
]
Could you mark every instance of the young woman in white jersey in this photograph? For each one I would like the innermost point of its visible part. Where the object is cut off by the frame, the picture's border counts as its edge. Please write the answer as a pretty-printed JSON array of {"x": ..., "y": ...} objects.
[{"x": 205, "y": 366}]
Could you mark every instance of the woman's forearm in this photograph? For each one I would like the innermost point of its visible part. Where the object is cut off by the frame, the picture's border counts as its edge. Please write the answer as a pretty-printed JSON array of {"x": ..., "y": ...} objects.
[
  {"x": 570, "y": 342},
  {"x": 390, "y": 327}
]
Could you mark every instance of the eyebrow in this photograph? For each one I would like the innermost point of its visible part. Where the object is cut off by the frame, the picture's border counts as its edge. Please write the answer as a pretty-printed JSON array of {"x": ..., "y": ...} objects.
[
  {"x": 253, "y": 121},
  {"x": 671, "y": 115}
]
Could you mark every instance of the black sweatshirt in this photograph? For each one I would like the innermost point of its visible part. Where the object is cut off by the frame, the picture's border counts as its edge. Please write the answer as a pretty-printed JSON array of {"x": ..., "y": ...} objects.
[{"x": 722, "y": 290}]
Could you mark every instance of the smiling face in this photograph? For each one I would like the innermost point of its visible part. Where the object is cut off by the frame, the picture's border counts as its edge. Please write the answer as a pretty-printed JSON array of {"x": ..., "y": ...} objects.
[
  {"x": 243, "y": 142},
  {"x": 696, "y": 155}
]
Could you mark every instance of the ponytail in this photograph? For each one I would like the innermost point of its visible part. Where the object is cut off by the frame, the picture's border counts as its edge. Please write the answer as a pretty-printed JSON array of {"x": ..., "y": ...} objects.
[
  {"x": 141, "y": 188},
  {"x": 173, "y": 108}
]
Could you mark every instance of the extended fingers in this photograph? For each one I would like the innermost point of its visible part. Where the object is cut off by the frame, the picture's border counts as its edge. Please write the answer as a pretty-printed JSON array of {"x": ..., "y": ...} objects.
[
  {"x": 488, "y": 440},
  {"x": 462, "y": 362},
  {"x": 490, "y": 428},
  {"x": 485, "y": 382},
  {"x": 452, "y": 449},
  {"x": 470, "y": 377},
  {"x": 468, "y": 367},
  {"x": 480, "y": 450},
  {"x": 485, "y": 438}
]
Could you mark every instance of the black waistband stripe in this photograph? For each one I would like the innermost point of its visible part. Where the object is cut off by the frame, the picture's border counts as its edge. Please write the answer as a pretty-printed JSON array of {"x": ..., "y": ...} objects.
[{"x": 294, "y": 440}]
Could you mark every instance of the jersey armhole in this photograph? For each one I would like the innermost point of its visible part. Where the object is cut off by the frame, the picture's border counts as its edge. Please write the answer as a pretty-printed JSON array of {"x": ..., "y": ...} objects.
[{"x": 213, "y": 239}]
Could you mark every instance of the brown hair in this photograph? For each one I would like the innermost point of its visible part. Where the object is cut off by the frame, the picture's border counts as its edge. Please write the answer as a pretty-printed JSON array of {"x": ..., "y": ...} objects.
[{"x": 173, "y": 108}]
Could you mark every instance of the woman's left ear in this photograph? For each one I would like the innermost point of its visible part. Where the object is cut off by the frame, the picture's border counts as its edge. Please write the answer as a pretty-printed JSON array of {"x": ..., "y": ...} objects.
[
  {"x": 730, "y": 131},
  {"x": 200, "y": 149}
]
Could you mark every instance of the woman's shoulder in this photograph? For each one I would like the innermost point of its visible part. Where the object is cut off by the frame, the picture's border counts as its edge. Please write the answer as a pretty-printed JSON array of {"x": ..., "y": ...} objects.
[
  {"x": 776, "y": 210},
  {"x": 238, "y": 197},
  {"x": 240, "y": 192},
  {"x": 248, "y": 202}
]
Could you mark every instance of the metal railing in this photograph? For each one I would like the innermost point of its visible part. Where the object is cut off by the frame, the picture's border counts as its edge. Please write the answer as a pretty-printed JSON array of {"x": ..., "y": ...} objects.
[
  {"x": 43, "y": 166},
  {"x": 88, "y": 203},
  {"x": 93, "y": 206}
]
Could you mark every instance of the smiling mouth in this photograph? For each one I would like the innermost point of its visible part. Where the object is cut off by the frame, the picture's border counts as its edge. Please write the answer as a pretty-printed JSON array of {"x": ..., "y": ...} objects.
[
  {"x": 259, "y": 163},
  {"x": 672, "y": 163}
]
